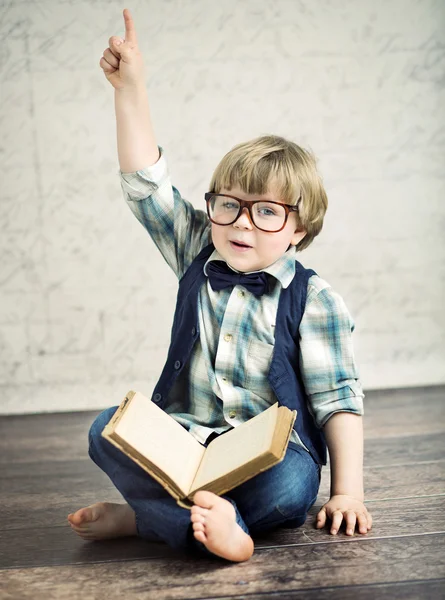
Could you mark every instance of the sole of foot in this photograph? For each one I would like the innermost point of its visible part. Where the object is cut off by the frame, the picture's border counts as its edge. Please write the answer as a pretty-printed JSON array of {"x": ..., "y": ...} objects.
[{"x": 215, "y": 526}]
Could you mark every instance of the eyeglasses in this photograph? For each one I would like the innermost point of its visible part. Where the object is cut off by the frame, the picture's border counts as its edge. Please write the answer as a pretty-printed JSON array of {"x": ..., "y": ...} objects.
[{"x": 264, "y": 214}]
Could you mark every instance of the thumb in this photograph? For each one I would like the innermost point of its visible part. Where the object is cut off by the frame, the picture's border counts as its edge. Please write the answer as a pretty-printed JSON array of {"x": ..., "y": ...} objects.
[
  {"x": 118, "y": 44},
  {"x": 124, "y": 49}
]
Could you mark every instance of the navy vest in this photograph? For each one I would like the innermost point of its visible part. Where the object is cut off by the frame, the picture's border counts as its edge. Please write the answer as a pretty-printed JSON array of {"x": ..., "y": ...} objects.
[{"x": 284, "y": 375}]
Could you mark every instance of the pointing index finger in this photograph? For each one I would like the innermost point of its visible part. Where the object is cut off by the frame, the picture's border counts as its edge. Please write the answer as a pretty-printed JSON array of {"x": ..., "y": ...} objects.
[{"x": 130, "y": 31}]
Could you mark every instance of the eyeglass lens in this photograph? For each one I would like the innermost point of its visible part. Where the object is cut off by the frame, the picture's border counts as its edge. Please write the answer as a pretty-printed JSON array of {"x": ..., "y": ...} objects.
[{"x": 265, "y": 215}]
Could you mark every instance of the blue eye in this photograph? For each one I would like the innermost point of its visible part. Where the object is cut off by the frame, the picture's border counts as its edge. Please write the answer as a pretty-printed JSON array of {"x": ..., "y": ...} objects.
[{"x": 267, "y": 212}]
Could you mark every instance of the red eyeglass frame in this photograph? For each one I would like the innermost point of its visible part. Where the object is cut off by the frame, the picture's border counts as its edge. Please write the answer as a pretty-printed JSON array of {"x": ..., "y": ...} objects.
[{"x": 248, "y": 204}]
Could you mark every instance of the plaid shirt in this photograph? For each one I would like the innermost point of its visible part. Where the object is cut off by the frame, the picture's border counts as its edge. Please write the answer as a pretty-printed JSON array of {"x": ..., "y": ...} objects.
[{"x": 227, "y": 382}]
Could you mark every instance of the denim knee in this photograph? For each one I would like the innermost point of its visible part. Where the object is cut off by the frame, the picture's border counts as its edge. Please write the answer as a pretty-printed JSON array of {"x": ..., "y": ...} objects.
[
  {"x": 95, "y": 438},
  {"x": 283, "y": 493},
  {"x": 296, "y": 499},
  {"x": 295, "y": 506}
]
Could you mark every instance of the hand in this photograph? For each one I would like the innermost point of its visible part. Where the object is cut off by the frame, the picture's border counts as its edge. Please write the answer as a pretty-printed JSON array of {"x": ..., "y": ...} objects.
[
  {"x": 350, "y": 509},
  {"x": 122, "y": 61}
]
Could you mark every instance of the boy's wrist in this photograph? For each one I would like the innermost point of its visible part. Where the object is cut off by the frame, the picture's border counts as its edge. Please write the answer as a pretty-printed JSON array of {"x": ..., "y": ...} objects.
[
  {"x": 132, "y": 94},
  {"x": 357, "y": 494}
]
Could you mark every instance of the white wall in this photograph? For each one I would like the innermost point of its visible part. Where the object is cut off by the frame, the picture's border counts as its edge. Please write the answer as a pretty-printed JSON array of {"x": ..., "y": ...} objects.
[{"x": 87, "y": 303}]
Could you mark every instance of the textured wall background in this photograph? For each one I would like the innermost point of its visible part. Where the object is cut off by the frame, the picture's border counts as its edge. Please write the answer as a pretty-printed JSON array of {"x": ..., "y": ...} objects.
[{"x": 87, "y": 303}]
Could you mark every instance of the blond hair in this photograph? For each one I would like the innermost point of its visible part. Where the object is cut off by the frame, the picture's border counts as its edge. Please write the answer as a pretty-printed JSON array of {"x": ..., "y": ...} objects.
[{"x": 269, "y": 162}]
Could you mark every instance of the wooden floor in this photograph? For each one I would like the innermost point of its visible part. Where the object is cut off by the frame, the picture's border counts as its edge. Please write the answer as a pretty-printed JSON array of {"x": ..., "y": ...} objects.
[{"x": 46, "y": 473}]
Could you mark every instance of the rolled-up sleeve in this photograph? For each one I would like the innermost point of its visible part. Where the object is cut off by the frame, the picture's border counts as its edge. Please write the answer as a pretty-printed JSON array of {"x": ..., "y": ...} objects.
[
  {"x": 327, "y": 362},
  {"x": 142, "y": 184},
  {"x": 176, "y": 227}
]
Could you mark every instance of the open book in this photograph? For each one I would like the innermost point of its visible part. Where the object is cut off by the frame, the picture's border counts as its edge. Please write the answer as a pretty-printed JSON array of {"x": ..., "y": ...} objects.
[{"x": 172, "y": 456}]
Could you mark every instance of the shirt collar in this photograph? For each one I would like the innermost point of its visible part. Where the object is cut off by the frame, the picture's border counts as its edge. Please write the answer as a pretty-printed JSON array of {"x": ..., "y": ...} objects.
[{"x": 282, "y": 269}]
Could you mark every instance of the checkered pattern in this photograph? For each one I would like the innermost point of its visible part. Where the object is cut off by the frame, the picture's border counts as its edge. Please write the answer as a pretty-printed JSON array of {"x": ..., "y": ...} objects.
[{"x": 227, "y": 374}]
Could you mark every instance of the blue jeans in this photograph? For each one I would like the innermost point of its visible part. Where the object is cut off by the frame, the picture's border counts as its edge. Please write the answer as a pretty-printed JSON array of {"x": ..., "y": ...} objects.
[{"x": 278, "y": 497}]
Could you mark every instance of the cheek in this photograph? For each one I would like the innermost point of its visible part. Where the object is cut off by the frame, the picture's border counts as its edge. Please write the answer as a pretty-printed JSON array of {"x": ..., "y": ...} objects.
[
  {"x": 217, "y": 234},
  {"x": 276, "y": 244}
]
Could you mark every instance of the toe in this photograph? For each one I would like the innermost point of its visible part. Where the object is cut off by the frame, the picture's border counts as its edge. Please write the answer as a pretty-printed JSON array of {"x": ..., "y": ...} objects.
[
  {"x": 199, "y": 511},
  {"x": 197, "y": 518},
  {"x": 198, "y": 527},
  {"x": 78, "y": 528},
  {"x": 200, "y": 536},
  {"x": 84, "y": 515},
  {"x": 77, "y": 517},
  {"x": 204, "y": 499}
]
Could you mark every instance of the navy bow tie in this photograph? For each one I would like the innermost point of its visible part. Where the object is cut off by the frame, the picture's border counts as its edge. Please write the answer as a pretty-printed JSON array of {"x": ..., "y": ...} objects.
[{"x": 221, "y": 276}]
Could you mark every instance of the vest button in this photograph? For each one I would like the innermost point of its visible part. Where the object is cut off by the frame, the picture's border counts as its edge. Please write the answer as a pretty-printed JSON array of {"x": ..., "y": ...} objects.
[
  {"x": 157, "y": 398},
  {"x": 177, "y": 364},
  {"x": 193, "y": 330}
]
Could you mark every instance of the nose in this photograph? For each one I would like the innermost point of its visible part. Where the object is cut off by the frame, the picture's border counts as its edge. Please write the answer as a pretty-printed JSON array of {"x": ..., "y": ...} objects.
[{"x": 244, "y": 221}]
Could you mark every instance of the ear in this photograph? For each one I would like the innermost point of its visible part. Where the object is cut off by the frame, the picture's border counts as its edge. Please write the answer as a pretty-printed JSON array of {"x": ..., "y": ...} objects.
[{"x": 297, "y": 236}]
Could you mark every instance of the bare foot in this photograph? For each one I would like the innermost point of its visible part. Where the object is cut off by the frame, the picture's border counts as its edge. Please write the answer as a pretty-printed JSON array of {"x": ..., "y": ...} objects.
[
  {"x": 103, "y": 520},
  {"x": 214, "y": 524}
]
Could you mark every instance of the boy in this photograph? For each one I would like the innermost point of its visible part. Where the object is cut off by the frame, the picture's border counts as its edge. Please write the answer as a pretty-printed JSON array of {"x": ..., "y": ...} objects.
[{"x": 251, "y": 327}]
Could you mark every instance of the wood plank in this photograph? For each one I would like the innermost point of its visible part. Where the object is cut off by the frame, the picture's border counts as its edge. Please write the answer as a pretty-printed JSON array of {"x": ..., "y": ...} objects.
[
  {"x": 51, "y": 508},
  {"x": 45, "y": 546},
  {"x": 60, "y": 546},
  {"x": 45, "y": 473},
  {"x": 276, "y": 570},
  {"x": 51, "y": 437},
  {"x": 50, "y": 456},
  {"x": 55, "y": 489},
  {"x": 44, "y": 437},
  {"x": 414, "y": 411},
  {"x": 63, "y": 436},
  {"x": 390, "y": 518},
  {"x": 45, "y": 497},
  {"x": 404, "y": 449},
  {"x": 431, "y": 590},
  {"x": 396, "y": 481}
]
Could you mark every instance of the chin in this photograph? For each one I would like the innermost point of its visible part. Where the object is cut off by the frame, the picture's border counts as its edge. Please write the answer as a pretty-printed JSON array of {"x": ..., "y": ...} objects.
[{"x": 244, "y": 266}]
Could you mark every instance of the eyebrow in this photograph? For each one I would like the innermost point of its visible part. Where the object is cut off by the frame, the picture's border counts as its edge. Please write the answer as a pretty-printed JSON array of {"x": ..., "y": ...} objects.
[{"x": 249, "y": 199}]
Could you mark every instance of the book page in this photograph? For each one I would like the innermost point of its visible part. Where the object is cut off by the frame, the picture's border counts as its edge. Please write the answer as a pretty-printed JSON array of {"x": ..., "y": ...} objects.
[
  {"x": 237, "y": 447},
  {"x": 165, "y": 443}
]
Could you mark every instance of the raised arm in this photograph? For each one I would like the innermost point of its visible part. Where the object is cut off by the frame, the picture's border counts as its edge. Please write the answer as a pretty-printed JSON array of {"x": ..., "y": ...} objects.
[
  {"x": 123, "y": 66},
  {"x": 178, "y": 229}
]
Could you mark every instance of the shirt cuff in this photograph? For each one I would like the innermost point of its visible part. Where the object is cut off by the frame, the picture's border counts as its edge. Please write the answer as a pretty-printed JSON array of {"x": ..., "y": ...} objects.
[
  {"x": 141, "y": 184},
  {"x": 346, "y": 399}
]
